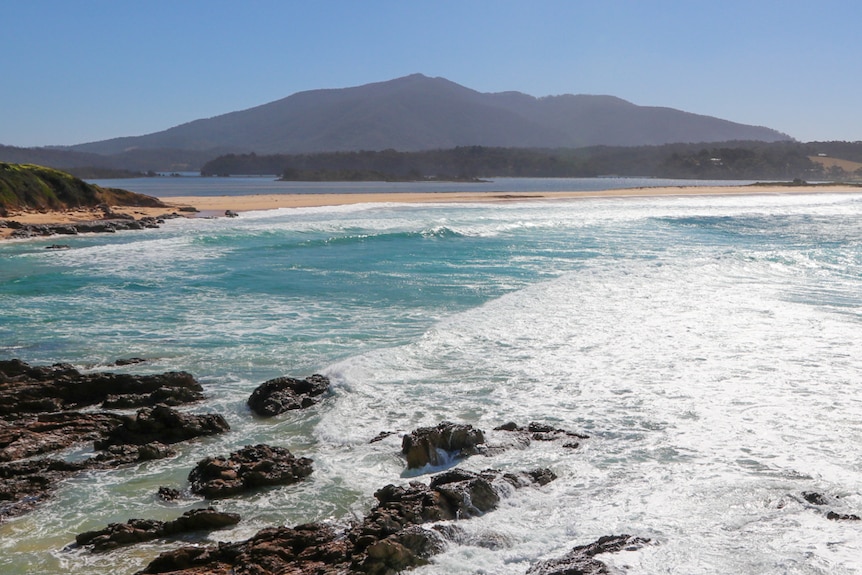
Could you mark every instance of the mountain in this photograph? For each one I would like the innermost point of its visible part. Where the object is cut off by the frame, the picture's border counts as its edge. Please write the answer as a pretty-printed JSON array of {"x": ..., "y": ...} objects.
[{"x": 420, "y": 113}]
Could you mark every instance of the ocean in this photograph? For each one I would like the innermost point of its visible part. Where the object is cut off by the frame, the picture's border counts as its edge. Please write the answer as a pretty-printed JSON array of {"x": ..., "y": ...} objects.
[{"x": 709, "y": 346}]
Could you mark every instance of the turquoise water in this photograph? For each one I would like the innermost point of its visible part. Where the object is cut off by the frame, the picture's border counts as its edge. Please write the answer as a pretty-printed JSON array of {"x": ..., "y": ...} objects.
[{"x": 710, "y": 347}]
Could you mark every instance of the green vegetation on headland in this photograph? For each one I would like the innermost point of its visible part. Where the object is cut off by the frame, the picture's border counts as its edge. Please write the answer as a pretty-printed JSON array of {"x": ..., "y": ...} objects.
[
  {"x": 31, "y": 187},
  {"x": 729, "y": 160}
]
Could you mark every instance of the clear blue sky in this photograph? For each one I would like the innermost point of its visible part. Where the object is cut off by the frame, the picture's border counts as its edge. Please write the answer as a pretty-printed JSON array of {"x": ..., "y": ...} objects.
[{"x": 75, "y": 71}]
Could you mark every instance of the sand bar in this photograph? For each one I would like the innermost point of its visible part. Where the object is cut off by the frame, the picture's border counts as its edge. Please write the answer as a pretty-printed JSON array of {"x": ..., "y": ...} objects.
[{"x": 217, "y": 205}]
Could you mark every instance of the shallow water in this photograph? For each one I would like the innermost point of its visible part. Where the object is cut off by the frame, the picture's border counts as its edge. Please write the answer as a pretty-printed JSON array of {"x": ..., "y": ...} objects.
[{"x": 709, "y": 346}]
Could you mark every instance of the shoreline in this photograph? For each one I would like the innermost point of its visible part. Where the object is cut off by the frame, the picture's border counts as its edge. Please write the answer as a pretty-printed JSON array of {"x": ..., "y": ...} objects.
[{"x": 217, "y": 205}]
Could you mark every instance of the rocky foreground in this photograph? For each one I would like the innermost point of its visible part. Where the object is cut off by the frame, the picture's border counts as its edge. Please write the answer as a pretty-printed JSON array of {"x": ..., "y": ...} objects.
[{"x": 44, "y": 409}]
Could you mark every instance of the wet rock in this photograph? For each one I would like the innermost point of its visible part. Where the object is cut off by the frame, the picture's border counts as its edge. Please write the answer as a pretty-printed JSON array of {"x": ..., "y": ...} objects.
[
  {"x": 814, "y": 498},
  {"x": 25, "y": 389},
  {"x": 47, "y": 432},
  {"x": 231, "y": 214},
  {"x": 312, "y": 548},
  {"x": 542, "y": 432},
  {"x": 168, "y": 493},
  {"x": 581, "y": 560},
  {"x": 129, "y": 361},
  {"x": 285, "y": 393},
  {"x": 392, "y": 538},
  {"x": 114, "y": 224},
  {"x": 842, "y": 517},
  {"x": 249, "y": 468},
  {"x": 437, "y": 445},
  {"x": 163, "y": 424},
  {"x": 139, "y": 530},
  {"x": 25, "y": 484},
  {"x": 381, "y": 436}
]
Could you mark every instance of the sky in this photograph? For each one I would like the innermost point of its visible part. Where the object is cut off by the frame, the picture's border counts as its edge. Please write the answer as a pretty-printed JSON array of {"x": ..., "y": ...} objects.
[{"x": 76, "y": 71}]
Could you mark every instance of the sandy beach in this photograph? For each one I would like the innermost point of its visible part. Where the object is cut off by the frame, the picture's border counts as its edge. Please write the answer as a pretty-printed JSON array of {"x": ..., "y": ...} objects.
[{"x": 217, "y": 205}]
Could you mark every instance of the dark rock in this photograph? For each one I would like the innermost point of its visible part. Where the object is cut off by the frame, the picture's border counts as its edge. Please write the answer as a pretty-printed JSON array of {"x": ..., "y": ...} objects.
[
  {"x": 25, "y": 389},
  {"x": 381, "y": 436},
  {"x": 581, "y": 560},
  {"x": 435, "y": 446},
  {"x": 129, "y": 361},
  {"x": 115, "y": 455},
  {"x": 814, "y": 498},
  {"x": 139, "y": 530},
  {"x": 25, "y": 484},
  {"x": 231, "y": 214},
  {"x": 47, "y": 432},
  {"x": 249, "y": 468},
  {"x": 57, "y": 247},
  {"x": 312, "y": 548},
  {"x": 285, "y": 393},
  {"x": 163, "y": 424},
  {"x": 542, "y": 432},
  {"x": 168, "y": 493},
  {"x": 842, "y": 517},
  {"x": 389, "y": 540}
]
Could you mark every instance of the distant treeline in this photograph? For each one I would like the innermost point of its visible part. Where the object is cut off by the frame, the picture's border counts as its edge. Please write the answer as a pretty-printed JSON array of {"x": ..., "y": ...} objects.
[{"x": 729, "y": 160}]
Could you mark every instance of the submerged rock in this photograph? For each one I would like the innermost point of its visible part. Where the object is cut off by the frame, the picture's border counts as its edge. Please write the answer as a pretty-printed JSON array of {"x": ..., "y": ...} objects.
[
  {"x": 249, "y": 468},
  {"x": 139, "y": 530},
  {"x": 437, "y": 445},
  {"x": 286, "y": 393},
  {"x": 581, "y": 560}
]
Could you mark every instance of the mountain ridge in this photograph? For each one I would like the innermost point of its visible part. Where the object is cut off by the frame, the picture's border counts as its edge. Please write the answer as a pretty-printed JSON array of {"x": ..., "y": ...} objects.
[{"x": 417, "y": 112}]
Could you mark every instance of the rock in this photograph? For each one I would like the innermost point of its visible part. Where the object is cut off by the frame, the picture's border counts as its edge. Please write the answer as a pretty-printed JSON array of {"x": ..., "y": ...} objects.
[
  {"x": 129, "y": 361},
  {"x": 139, "y": 530},
  {"x": 25, "y": 484},
  {"x": 163, "y": 424},
  {"x": 285, "y": 393},
  {"x": 581, "y": 560},
  {"x": 25, "y": 389},
  {"x": 47, "y": 432},
  {"x": 312, "y": 548},
  {"x": 231, "y": 214},
  {"x": 381, "y": 436},
  {"x": 57, "y": 247},
  {"x": 168, "y": 494},
  {"x": 390, "y": 539},
  {"x": 542, "y": 432},
  {"x": 436, "y": 446},
  {"x": 814, "y": 498},
  {"x": 249, "y": 468},
  {"x": 842, "y": 517}
]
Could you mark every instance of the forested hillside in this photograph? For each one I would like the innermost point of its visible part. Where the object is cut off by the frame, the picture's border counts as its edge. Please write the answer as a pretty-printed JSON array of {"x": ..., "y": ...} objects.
[{"x": 729, "y": 160}]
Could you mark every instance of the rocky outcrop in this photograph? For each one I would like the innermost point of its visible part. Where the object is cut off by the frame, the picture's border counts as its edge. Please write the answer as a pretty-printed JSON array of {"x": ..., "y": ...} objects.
[
  {"x": 116, "y": 224},
  {"x": 392, "y": 538},
  {"x": 436, "y": 446},
  {"x": 819, "y": 499},
  {"x": 285, "y": 393},
  {"x": 139, "y": 530},
  {"x": 249, "y": 468},
  {"x": 35, "y": 420},
  {"x": 581, "y": 560},
  {"x": 26, "y": 389},
  {"x": 163, "y": 424},
  {"x": 536, "y": 431},
  {"x": 47, "y": 432}
]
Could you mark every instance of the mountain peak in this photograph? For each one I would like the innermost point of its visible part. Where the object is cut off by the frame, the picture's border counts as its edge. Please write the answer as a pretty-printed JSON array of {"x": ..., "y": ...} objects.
[{"x": 419, "y": 112}]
